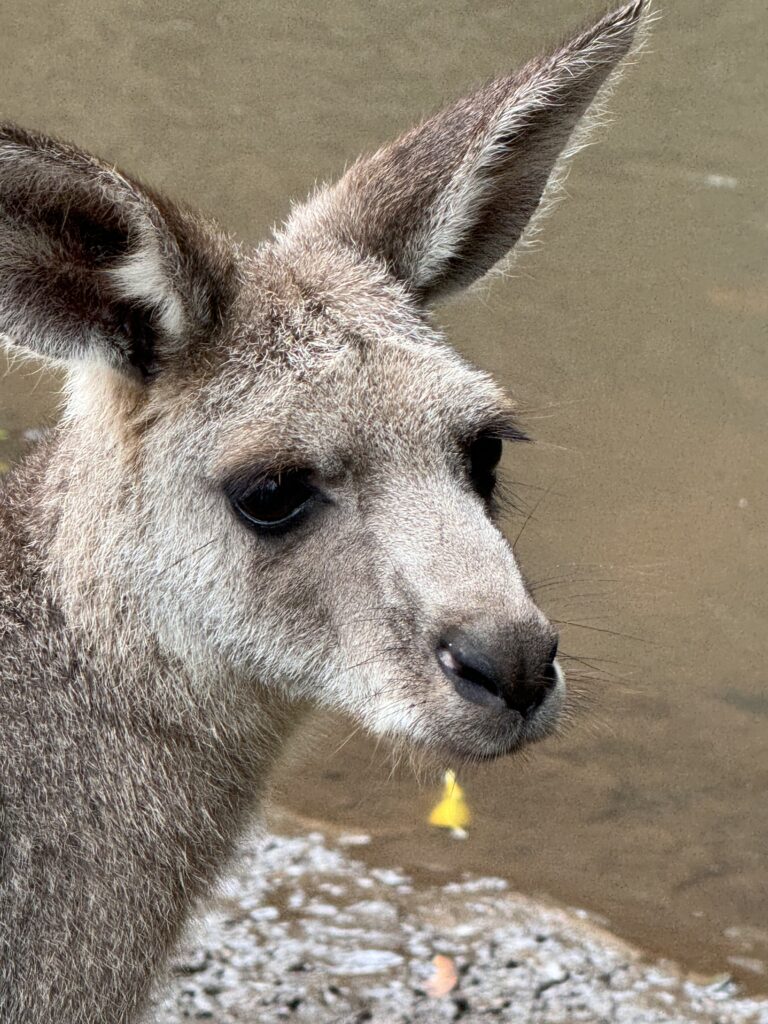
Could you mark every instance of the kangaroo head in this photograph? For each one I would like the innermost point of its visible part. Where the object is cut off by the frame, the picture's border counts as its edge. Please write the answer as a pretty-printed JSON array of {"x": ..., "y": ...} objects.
[{"x": 269, "y": 455}]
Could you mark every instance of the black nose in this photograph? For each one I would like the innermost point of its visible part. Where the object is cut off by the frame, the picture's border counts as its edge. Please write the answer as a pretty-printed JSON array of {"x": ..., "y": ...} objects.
[{"x": 506, "y": 669}]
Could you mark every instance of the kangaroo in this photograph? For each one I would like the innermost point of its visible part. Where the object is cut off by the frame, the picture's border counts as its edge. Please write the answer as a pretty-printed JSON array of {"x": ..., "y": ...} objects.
[{"x": 272, "y": 487}]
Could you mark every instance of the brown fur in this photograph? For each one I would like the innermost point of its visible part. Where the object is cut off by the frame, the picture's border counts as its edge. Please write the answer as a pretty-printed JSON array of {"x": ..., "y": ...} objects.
[{"x": 155, "y": 651}]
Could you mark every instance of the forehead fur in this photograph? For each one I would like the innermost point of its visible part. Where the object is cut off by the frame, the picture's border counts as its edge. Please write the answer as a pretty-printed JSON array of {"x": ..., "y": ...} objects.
[
  {"x": 321, "y": 352},
  {"x": 331, "y": 357},
  {"x": 302, "y": 299}
]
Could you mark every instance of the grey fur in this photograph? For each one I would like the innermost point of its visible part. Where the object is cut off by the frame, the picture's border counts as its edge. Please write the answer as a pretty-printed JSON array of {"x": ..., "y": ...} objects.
[{"x": 154, "y": 652}]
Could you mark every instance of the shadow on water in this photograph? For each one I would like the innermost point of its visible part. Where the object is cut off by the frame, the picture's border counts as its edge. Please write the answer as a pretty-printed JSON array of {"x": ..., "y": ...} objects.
[{"x": 635, "y": 342}]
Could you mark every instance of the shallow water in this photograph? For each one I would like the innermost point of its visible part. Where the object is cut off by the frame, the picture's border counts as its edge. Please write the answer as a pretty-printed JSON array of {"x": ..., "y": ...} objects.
[{"x": 635, "y": 340}]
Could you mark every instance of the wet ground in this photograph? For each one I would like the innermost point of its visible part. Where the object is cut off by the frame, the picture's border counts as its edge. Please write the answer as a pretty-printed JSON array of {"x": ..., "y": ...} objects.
[
  {"x": 305, "y": 931},
  {"x": 635, "y": 341}
]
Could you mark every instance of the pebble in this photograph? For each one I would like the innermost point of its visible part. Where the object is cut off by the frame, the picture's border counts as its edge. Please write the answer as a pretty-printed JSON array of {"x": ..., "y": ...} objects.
[{"x": 332, "y": 957}]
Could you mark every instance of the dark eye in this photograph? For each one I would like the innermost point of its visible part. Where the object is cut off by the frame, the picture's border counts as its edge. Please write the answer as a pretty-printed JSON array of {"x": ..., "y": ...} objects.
[
  {"x": 483, "y": 456},
  {"x": 275, "y": 503}
]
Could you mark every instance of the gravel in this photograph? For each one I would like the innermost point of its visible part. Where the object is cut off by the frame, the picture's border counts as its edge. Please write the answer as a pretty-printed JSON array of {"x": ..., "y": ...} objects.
[{"x": 302, "y": 932}]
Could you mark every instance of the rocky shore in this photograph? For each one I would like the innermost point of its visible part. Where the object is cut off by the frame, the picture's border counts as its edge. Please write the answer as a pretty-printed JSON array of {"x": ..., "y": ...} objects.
[{"x": 303, "y": 932}]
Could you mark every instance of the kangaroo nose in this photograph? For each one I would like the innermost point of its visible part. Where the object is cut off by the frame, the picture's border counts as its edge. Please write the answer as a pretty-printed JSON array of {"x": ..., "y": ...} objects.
[{"x": 516, "y": 672}]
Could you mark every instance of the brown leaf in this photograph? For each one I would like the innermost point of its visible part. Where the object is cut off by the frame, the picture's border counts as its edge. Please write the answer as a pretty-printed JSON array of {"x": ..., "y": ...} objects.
[{"x": 444, "y": 979}]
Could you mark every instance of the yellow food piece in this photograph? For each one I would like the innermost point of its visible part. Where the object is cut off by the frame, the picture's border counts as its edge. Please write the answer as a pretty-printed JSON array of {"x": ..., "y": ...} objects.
[{"x": 452, "y": 811}]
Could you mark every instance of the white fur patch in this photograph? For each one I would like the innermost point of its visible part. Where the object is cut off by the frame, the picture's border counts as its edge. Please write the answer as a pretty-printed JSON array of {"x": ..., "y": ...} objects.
[{"x": 142, "y": 277}]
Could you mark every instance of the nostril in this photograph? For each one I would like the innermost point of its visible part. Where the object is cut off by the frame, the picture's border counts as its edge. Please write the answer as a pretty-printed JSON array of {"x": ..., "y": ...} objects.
[
  {"x": 534, "y": 686},
  {"x": 471, "y": 676},
  {"x": 525, "y": 698}
]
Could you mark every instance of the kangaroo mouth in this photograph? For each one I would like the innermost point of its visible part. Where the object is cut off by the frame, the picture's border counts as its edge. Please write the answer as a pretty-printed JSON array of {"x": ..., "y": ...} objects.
[{"x": 489, "y": 730}]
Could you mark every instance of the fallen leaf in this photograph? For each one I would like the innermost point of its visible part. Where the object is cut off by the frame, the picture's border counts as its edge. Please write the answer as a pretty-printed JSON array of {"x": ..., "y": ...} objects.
[{"x": 444, "y": 979}]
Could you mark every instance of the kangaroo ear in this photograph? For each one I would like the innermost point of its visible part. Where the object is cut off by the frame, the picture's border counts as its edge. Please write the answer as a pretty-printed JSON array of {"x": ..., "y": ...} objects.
[
  {"x": 94, "y": 266},
  {"x": 441, "y": 205}
]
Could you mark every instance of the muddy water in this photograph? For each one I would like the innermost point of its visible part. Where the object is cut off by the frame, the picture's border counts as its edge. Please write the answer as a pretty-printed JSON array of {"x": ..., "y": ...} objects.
[{"x": 635, "y": 341}]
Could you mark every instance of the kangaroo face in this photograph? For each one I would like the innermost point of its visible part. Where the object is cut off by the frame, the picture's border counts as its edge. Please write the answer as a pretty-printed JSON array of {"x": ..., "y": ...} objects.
[
  {"x": 270, "y": 455},
  {"x": 348, "y": 545},
  {"x": 407, "y": 608}
]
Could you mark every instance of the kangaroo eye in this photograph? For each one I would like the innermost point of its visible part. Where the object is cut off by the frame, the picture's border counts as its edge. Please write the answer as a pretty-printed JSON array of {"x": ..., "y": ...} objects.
[
  {"x": 275, "y": 503},
  {"x": 483, "y": 456}
]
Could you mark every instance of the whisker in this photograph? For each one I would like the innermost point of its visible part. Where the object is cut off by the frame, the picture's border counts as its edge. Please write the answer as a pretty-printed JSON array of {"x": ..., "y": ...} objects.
[
  {"x": 529, "y": 517},
  {"x": 600, "y": 629},
  {"x": 183, "y": 558}
]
